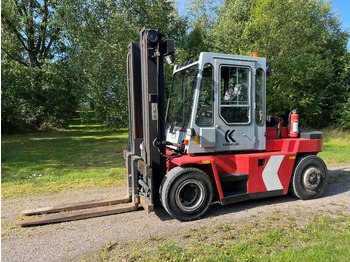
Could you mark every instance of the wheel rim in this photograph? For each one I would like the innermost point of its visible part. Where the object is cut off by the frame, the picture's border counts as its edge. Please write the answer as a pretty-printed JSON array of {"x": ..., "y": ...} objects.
[
  {"x": 312, "y": 178},
  {"x": 190, "y": 195}
]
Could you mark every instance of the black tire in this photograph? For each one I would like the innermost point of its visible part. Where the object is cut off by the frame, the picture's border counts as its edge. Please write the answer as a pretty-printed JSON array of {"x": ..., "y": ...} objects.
[
  {"x": 186, "y": 193},
  {"x": 309, "y": 177}
]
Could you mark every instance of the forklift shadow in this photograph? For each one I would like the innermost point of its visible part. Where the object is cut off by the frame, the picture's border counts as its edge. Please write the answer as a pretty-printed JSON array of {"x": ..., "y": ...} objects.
[
  {"x": 338, "y": 183},
  {"x": 216, "y": 209}
]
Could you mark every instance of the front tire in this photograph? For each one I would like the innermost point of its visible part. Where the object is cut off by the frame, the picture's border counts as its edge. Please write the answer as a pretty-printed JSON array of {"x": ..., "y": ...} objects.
[
  {"x": 186, "y": 193},
  {"x": 309, "y": 177}
]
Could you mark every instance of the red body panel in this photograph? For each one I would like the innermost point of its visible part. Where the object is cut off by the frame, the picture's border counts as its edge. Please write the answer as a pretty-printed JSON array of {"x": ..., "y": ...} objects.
[{"x": 267, "y": 171}]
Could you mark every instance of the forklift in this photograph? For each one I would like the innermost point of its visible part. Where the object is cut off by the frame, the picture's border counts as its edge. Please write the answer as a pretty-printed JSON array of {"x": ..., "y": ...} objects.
[{"x": 213, "y": 143}]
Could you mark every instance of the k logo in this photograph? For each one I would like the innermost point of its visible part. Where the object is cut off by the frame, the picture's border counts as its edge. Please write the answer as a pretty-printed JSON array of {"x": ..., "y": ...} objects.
[{"x": 228, "y": 136}]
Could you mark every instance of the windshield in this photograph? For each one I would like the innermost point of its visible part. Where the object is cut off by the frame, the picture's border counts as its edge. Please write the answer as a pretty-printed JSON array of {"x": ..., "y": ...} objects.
[{"x": 181, "y": 97}]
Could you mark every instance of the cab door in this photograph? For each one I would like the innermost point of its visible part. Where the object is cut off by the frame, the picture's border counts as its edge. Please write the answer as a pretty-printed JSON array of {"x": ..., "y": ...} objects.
[{"x": 235, "y": 128}]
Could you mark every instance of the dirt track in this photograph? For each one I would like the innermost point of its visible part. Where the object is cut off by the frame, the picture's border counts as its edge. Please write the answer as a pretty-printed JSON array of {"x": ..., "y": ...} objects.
[{"x": 74, "y": 240}]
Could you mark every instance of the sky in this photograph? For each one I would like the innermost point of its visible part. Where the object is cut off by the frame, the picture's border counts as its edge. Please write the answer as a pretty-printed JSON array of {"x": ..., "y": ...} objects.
[{"x": 342, "y": 8}]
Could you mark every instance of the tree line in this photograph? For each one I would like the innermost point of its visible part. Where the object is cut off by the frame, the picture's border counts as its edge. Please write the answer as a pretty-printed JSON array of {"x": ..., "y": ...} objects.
[{"x": 60, "y": 57}]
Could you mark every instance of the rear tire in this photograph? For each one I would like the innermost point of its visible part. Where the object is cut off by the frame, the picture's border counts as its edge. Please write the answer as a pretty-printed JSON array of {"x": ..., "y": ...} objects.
[
  {"x": 309, "y": 177},
  {"x": 186, "y": 193}
]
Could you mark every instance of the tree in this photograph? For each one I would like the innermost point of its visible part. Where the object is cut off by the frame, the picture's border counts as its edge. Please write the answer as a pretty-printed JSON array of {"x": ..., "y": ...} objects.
[
  {"x": 343, "y": 120},
  {"x": 305, "y": 45},
  {"x": 37, "y": 87},
  {"x": 30, "y": 32},
  {"x": 99, "y": 33},
  {"x": 200, "y": 17}
]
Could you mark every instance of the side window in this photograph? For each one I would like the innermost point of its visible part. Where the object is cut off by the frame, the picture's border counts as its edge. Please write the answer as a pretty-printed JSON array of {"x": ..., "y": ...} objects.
[
  {"x": 204, "y": 115},
  {"x": 235, "y": 94},
  {"x": 259, "y": 96}
]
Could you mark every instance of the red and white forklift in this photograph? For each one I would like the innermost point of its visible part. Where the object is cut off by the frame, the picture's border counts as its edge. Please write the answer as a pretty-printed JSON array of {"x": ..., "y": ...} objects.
[{"x": 214, "y": 142}]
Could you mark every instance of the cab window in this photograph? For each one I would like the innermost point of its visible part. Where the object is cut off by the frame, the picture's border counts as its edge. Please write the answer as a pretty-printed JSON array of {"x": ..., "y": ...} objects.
[
  {"x": 259, "y": 96},
  {"x": 235, "y": 94},
  {"x": 204, "y": 115}
]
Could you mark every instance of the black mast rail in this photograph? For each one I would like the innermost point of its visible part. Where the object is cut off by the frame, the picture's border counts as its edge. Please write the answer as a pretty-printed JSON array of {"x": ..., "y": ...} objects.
[{"x": 145, "y": 163}]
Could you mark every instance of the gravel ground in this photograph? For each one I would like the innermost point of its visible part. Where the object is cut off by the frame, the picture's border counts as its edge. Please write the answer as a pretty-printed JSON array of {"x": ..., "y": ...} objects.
[{"x": 74, "y": 240}]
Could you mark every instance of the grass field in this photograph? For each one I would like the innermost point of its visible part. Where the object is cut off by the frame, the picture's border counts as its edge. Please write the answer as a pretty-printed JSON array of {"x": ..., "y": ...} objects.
[
  {"x": 276, "y": 237},
  {"x": 336, "y": 147},
  {"x": 80, "y": 156},
  {"x": 92, "y": 155}
]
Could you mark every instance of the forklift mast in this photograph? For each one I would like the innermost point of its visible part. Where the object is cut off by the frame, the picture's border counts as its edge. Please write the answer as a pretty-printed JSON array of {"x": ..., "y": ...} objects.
[{"x": 145, "y": 164}]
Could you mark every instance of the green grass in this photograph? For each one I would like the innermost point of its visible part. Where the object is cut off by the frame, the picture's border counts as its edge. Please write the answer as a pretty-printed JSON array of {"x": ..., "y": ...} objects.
[
  {"x": 336, "y": 147},
  {"x": 80, "y": 156},
  {"x": 274, "y": 238}
]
